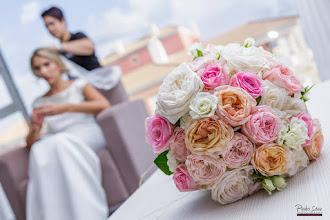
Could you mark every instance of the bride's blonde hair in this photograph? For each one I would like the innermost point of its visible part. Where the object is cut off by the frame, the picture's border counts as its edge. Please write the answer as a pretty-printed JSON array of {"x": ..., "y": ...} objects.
[{"x": 50, "y": 54}]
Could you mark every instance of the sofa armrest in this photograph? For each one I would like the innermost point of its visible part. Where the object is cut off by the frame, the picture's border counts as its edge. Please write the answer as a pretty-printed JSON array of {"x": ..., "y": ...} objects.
[
  {"x": 14, "y": 177},
  {"x": 116, "y": 95},
  {"x": 124, "y": 131}
]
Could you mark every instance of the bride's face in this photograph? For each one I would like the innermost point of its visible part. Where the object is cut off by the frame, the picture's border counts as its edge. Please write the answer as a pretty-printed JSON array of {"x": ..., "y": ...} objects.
[{"x": 46, "y": 69}]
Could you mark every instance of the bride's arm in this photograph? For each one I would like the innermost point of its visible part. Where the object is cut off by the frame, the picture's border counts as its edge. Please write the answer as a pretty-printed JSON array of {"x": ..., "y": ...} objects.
[
  {"x": 34, "y": 129},
  {"x": 94, "y": 104}
]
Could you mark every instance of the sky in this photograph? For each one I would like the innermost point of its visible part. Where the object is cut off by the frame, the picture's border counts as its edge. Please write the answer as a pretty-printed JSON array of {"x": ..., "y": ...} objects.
[{"x": 108, "y": 22}]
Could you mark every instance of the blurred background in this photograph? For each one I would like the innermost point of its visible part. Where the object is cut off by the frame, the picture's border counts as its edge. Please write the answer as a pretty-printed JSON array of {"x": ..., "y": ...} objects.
[{"x": 148, "y": 39}]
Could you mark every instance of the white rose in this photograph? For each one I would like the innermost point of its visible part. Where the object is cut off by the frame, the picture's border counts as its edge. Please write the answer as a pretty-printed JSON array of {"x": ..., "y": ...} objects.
[
  {"x": 252, "y": 58},
  {"x": 294, "y": 106},
  {"x": 203, "y": 105},
  {"x": 192, "y": 50},
  {"x": 172, "y": 163},
  {"x": 176, "y": 92},
  {"x": 300, "y": 161},
  {"x": 273, "y": 96},
  {"x": 216, "y": 51},
  {"x": 233, "y": 185},
  {"x": 297, "y": 134},
  {"x": 248, "y": 42},
  {"x": 185, "y": 120},
  {"x": 284, "y": 130}
]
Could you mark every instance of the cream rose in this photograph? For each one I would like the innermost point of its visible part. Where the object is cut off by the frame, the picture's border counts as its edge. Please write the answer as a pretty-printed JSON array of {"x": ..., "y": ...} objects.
[
  {"x": 234, "y": 185},
  {"x": 242, "y": 58},
  {"x": 294, "y": 106},
  {"x": 203, "y": 105},
  {"x": 176, "y": 92},
  {"x": 185, "y": 120},
  {"x": 300, "y": 161},
  {"x": 273, "y": 96},
  {"x": 208, "y": 136},
  {"x": 204, "y": 169},
  {"x": 172, "y": 163}
]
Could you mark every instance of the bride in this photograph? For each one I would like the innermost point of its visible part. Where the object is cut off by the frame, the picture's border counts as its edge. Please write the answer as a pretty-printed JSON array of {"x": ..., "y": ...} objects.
[{"x": 64, "y": 170}]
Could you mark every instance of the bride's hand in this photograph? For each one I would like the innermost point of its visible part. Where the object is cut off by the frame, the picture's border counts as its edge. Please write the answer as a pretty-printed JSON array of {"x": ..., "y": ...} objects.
[
  {"x": 36, "y": 118},
  {"x": 53, "y": 109}
]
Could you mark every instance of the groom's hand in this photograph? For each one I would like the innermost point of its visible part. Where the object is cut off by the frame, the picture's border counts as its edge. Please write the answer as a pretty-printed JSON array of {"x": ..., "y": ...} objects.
[{"x": 53, "y": 109}]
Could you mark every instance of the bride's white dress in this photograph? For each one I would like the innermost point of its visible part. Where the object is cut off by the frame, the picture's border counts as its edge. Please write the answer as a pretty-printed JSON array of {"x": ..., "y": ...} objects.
[{"x": 64, "y": 170}]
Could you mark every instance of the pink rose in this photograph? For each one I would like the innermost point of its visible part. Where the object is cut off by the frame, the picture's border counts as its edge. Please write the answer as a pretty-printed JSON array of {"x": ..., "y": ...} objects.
[
  {"x": 281, "y": 76},
  {"x": 249, "y": 81},
  {"x": 183, "y": 180},
  {"x": 178, "y": 146},
  {"x": 263, "y": 126},
  {"x": 216, "y": 74},
  {"x": 158, "y": 133},
  {"x": 205, "y": 169},
  {"x": 309, "y": 122},
  {"x": 313, "y": 151},
  {"x": 239, "y": 151},
  {"x": 234, "y": 105}
]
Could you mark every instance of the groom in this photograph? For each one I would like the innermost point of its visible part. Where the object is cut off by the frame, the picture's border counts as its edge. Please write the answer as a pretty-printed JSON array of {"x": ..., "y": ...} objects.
[{"x": 76, "y": 47}]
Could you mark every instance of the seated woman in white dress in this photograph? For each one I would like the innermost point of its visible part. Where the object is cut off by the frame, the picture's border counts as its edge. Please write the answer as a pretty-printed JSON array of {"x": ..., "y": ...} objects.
[{"x": 64, "y": 170}]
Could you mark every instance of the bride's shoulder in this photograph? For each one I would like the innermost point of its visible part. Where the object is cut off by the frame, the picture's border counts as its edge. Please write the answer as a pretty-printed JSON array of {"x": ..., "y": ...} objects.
[{"x": 80, "y": 83}]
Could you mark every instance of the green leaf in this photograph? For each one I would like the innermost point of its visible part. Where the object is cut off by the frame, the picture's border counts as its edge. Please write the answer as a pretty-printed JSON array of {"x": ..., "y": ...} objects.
[
  {"x": 199, "y": 53},
  {"x": 161, "y": 163},
  {"x": 258, "y": 100},
  {"x": 304, "y": 93},
  {"x": 292, "y": 95},
  {"x": 178, "y": 122},
  {"x": 257, "y": 176},
  {"x": 218, "y": 57}
]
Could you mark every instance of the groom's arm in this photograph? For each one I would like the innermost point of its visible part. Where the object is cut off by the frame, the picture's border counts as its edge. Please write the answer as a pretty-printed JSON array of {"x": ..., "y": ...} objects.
[{"x": 80, "y": 47}]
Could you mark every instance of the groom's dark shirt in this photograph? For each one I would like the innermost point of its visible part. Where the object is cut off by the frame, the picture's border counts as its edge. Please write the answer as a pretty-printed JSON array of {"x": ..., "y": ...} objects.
[{"x": 88, "y": 62}]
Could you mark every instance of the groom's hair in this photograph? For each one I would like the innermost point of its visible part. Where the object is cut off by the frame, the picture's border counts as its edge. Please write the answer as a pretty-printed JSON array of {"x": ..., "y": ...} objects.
[{"x": 53, "y": 12}]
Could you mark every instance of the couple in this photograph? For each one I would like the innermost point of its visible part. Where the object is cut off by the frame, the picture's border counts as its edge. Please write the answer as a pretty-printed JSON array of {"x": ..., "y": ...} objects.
[{"x": 64, "y": 170}]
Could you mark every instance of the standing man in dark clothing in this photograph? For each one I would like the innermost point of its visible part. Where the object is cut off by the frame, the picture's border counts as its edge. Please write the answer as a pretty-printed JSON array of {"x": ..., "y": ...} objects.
[{"x": 74, "y": 46}]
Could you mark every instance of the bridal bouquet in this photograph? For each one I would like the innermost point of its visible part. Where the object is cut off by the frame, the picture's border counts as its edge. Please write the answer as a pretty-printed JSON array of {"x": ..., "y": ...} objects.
[{"x": 232, "y": 121}]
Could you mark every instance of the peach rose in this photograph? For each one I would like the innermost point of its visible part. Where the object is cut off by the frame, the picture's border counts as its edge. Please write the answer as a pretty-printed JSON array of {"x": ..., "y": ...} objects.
[
  {"x": 271, "y": 159},
  {"x": 235, "y": 105},
  {"x": 313, "y": 151},
  {"x": 204, "y": 169},
  {"x": 208, "y": 136},
  {"x": 178, "y": 146}
]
